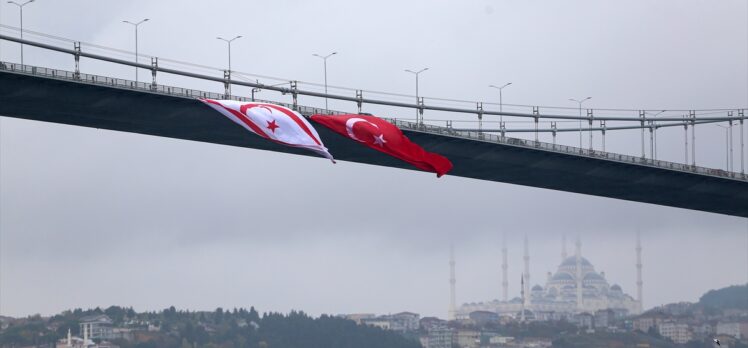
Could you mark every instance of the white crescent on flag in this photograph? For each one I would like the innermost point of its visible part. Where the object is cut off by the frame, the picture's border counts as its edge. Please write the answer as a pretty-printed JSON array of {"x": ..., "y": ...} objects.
[{"x": 273, "y": 122}]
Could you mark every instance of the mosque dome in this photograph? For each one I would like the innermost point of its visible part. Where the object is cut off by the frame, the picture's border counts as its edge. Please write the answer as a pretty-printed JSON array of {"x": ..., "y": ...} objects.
[{"x": 572, "y": 261}]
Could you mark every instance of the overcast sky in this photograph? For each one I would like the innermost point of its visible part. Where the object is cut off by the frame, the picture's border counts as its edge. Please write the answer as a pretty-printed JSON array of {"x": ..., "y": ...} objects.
[{"x": 96, "y": 218}]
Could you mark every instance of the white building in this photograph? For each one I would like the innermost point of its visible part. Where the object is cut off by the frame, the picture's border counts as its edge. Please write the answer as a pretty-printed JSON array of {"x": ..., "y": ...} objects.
[
  {"x": 679, "y": 333},
  {"x": 729, "y": 329},
  {"x": 98, "y": 326}
]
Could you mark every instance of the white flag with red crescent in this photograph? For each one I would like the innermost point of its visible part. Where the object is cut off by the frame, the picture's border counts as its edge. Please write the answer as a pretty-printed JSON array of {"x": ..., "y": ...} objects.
[{"x": 273, "y": 122}]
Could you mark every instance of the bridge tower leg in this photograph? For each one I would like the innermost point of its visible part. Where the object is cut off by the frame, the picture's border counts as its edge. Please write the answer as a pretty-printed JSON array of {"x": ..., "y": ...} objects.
[{"x": 602, "y": 125}]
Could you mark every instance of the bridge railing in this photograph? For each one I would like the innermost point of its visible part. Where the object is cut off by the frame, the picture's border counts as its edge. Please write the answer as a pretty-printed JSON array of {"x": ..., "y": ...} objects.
[
  {"x": 571, "y": 150},
  {"x": 419, "y": 127}
]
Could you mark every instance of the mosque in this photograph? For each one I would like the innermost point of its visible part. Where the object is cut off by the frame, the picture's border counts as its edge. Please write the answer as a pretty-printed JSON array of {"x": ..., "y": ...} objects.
[{"x": 573, "y": 289}]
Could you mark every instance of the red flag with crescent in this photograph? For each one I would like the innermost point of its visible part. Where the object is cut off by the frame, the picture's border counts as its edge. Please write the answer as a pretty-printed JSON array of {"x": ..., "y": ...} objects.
[{"x": 383, "y": 136}]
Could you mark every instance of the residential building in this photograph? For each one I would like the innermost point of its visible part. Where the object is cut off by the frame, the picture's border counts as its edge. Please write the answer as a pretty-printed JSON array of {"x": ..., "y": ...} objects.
[{"x": 679, "y": 333}]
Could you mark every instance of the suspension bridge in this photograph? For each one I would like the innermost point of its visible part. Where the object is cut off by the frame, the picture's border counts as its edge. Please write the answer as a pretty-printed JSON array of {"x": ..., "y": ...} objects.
[{"x": 485, "y": 153}]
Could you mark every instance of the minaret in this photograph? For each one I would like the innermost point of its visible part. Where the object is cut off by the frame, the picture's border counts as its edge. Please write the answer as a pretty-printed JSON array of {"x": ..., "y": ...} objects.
[
  {"x": 70, "y": 338},
  {"x": 579, "y": 273},
  {"x": 526, "y": 287},
  {"x": 564, "y": 255},
  {"x": 452, "y": 281},
  {"x": 522, "y": 294},
  {"x": 639, "y": 282},
  {"x": 504, "y": 281}
]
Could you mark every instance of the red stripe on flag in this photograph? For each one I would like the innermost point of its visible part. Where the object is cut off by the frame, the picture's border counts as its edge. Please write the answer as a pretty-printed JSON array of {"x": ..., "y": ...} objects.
[
  {"x": 296, "y": 119},
  {"x": 246, "y": 120}
]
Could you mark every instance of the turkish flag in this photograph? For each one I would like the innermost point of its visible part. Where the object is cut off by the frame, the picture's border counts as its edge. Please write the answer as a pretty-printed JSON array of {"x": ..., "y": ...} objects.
[{"x": 383, "y": 136}]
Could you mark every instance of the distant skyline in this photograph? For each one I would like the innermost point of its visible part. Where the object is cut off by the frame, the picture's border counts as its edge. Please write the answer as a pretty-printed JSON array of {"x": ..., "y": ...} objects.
[{"x": 92, "y": 218}]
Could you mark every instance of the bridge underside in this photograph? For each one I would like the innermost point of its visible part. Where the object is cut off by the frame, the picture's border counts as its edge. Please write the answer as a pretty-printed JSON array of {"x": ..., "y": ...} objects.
[{"x": 51, "y": 100}]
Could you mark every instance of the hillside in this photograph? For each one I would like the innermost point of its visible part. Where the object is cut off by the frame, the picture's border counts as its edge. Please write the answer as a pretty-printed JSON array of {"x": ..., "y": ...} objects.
[{"x": 732, "y": 297}]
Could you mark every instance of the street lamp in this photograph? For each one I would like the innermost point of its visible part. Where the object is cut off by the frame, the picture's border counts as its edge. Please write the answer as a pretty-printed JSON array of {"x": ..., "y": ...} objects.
[
  {"x": 324, "y": 59},
  {"x": 20, "y": 7},
  {"x": 417, "y": 99},
  {"x": 580, "y": 117},
  {"x": 228, "y": 42},
  {"x": 501, "y": 101},
  {"x": 136, "y": 43}
]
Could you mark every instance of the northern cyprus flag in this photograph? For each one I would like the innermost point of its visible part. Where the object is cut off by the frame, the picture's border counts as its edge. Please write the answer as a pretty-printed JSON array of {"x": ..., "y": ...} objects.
[{"x": 272, "y": 122}]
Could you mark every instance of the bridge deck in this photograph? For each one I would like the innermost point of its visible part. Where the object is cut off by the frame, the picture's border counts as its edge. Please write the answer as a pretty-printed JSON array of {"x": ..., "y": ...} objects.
[{"x": 176, "y": 114}]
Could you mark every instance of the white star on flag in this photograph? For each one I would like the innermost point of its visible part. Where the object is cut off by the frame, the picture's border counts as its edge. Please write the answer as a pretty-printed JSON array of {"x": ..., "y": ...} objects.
[
  {"x": 379, "y": 140},
  {"x": 273, "y": 122}
]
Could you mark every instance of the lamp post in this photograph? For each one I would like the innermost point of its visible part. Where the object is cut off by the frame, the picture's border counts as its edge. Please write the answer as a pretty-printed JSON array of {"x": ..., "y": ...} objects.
[
  {"x": 416, "y": 73},
  {"x": 228, "y": 42},
  {"x": 20, "y": 7},
  {"x": 580, "y": 117},
  {"x": 136, "y": 25},
  {"x": 324, "y": 60},
  {"x": 501, "y": 101}
]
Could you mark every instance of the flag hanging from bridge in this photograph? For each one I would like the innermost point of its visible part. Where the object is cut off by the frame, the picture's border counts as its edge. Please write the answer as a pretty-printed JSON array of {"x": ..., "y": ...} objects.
[
  {"x": 273, "y": 122},
  {"x": 383, "y": 136}
]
